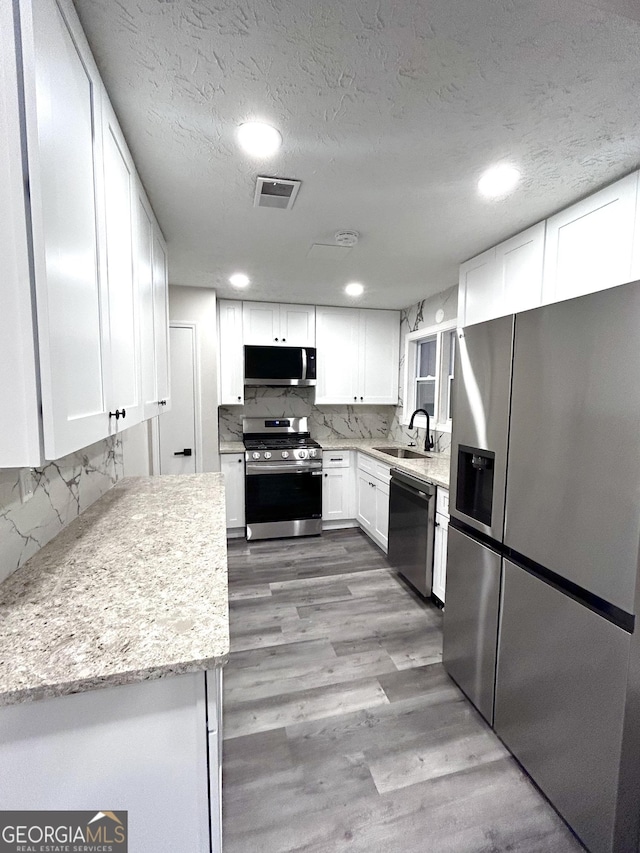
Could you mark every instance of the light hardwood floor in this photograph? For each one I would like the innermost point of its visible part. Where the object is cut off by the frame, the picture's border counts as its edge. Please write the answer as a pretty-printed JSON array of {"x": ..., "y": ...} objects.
[{"x": 342, "y": 730}]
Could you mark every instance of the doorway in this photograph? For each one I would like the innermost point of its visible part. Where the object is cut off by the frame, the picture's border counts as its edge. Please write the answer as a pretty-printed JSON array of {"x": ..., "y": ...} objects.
[{"x": 178, "y": 432}]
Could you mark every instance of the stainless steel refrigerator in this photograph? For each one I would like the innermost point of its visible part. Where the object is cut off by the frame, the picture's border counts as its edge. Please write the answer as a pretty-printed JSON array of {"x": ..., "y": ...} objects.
[{"x": 540, "y": 621}]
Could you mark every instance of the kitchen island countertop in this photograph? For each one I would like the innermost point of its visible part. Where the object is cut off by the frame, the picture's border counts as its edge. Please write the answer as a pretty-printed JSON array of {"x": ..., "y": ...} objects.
[{"x": 133, "y": 589}]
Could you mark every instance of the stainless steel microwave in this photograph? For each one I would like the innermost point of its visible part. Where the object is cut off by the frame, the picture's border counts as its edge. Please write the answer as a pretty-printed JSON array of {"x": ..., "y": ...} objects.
[{"x": 279, "y": 366}]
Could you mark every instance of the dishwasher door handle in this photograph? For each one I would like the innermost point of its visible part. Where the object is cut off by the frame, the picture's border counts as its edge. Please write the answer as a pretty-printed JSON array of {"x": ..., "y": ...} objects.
[{"x": 399, "y": 485}]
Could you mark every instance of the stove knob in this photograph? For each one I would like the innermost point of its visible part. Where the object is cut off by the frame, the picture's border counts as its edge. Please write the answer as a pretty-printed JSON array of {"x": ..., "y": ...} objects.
[
  {"x": 255, "y": 455},
  {"x": 302, "y": 454},
  {"x": 267, "y": 455},
  {"x": 312, "y": 453},
  {"x": 285, "y": 454}
]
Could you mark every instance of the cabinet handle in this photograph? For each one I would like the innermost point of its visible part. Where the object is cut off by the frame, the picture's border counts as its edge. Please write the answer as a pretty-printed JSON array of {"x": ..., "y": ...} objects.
[
  {"x": 162, "y": 402},
  {"x": 336, "y": 459},
  {"x": 118, "y": 414},
  {"x": 326, "y": 475},
  {"x": 362, "y": 398},
  {"x": 437, "y": 524},
  {"x": 284, "y": 340},
  {"x": 185, "y": 452},
  {"x": 275, "y": 339},
  {"x": 239, "y": 398},
  {"x": 240, "y": 461},
  {"x": 355, "y": 398}
]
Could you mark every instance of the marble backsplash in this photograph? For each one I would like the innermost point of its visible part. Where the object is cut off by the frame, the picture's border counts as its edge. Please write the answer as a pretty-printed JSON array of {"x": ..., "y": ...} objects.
[
  {"x": 61, "y": 491},
  {"x": 324, "y": 421}
]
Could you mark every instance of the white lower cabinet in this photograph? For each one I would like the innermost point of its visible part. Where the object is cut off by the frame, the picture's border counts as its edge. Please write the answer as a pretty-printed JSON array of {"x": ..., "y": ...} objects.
[
  {"x": 440, "y": 544},
  {"x": 232, "y": 466},
  {"x": 145, "y": 748},
  {"x": 338, "y": 486},
  {"x": 373, "y": 499}
]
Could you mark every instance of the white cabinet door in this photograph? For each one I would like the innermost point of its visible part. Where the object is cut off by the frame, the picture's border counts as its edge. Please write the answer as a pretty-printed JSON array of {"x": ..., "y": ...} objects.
[
  {"x": 140, "y": 746},
  {"x": 337, "y": 339},
  {"x": 261, "y": 323},
  {"x": 19, "y": 413},
  {"x": 336, "y": 494},
  {"x": 379, "y": 357},
  {"x": 381, "y": 529},
  {"x": 143, "y": 269},
  {"x": 440, "y": 556},
  {"x": 477, "y": 298},
  {"x": 519, "y": 263},
  {"x": 589, "y": 246},
  {"x": 161, "y": 317},
  {"x": 366, "y": 501},
  {"x": 63, "y": 138},
  {"x": 298, "y": 325},
  {"x": 232, "y": 466},
  {"x": 230, "y": 353},
  {"x": 122, "y": 299}
]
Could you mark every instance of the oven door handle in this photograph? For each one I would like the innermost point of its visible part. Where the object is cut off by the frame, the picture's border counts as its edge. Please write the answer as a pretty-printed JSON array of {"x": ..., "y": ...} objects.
[{"x": 279, "y": 468}]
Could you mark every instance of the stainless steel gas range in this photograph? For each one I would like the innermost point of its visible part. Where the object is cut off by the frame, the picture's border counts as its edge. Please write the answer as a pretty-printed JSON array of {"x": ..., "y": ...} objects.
[{"x": 283, "y": 478}]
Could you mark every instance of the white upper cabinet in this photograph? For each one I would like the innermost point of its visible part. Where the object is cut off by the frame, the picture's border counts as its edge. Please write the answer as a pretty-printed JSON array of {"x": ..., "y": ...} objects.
[
  {"x": 519, "y": 263},
  {"x": 62, "y": 98},
  {"x": 82, "y": 224},
  {"x": 478, "y": 294},
  {"x": 230, "y": 353},
  {"x": 160, "y": 279},
  {"x": 503, "y": 280},
  {"x": 338, "y": 340},
  {"x": 150, "y": 269},
  {"x": 358, "y": 356},
  {"x": 275, "y": 324},
  {"x": 19, "y": 413},
  {"x": 379, "y": 357},
  {"x": 590, "y": 245},
  {"x": 122, "y": 285}
]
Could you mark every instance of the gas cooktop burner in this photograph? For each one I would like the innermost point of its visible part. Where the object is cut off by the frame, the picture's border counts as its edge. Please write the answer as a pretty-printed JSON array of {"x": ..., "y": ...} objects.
[{"x": 272, "y": 443}]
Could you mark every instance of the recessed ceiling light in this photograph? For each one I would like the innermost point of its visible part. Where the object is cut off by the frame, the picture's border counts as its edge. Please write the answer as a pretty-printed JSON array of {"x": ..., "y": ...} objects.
[
  {"x": 258, "y": 139},
  {"x": 239, "y": 279},
  {"x": 498, "y": 180},
  {"x": 354, "y": 288}
]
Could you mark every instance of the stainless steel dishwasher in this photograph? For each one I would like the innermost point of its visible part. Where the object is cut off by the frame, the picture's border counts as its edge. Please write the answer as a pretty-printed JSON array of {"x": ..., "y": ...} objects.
[{"x": 411, "y": 529}]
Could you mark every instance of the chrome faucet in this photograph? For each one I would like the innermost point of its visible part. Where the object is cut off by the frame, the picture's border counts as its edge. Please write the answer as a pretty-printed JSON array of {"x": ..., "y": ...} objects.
[{"x": 428, "y": 444}]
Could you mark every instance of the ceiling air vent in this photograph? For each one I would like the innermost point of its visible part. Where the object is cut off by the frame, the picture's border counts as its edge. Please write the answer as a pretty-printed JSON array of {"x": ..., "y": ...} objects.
[{"x": 276, "y": 192}]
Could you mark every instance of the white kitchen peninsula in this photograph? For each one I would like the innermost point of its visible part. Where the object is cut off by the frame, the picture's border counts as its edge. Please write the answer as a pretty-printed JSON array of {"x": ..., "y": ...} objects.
[{"x": 112, "y": 642}]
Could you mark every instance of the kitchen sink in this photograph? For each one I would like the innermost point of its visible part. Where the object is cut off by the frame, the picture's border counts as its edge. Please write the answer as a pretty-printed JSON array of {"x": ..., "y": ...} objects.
[{"x": 402, "y": 453}]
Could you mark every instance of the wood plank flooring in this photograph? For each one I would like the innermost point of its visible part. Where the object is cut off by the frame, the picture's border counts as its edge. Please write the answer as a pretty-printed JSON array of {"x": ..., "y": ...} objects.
[{"x": 342, "y": 730}]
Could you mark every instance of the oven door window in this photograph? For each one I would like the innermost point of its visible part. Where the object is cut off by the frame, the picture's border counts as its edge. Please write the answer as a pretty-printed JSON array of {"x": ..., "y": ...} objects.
[{"x": 283, "y": 497}]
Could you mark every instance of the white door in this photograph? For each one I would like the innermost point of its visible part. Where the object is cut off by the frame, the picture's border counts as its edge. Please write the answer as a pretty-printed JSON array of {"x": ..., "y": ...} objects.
[
  {"x": 177, "y": 428},
  {"x": 298, "y": 325},
  {"x": 379, "y": 356},
  {"x": 261, "y": 323},
  {"x": 337, "y": 342},
  {"x": 479, "y": 289}
]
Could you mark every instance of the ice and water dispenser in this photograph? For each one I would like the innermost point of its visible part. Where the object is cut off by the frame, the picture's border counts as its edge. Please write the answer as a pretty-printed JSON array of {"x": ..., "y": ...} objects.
[{"x": 474, "y": 487}]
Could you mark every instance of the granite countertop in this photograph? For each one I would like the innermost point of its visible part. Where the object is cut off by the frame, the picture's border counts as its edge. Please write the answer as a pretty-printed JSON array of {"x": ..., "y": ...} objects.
[
  {"x": 231, "y": 447},
  {"x": 434, "y": 468},
  {"x": 135, "y": 588}
]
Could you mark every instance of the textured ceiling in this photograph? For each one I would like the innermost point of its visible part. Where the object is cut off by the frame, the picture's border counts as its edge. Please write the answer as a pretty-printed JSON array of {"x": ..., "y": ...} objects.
[{"x": 389, "y": 110}]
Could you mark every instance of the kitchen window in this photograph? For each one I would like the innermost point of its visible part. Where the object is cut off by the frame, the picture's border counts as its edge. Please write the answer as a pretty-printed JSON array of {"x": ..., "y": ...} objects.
[{"x": 429, "y": 360}]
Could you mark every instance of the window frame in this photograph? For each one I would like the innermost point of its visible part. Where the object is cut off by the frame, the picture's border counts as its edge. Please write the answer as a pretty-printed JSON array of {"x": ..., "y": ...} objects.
[{"x": 411, "y": 351}]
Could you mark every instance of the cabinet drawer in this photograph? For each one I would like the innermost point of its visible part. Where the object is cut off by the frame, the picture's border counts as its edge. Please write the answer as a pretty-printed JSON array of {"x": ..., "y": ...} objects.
[
  {"x": 442, "y": 502},
  {"x": 366, "y": 463},
  {"x": 373, "y": 467},
  {"x": 336, "y": 459}
]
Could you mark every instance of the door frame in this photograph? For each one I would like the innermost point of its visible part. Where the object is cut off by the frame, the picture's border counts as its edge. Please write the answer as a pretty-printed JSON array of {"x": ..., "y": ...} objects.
[{"x": 197, "y": 405}]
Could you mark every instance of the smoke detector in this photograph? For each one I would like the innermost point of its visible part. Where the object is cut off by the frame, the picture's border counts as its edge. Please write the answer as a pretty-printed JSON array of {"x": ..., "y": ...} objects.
[
  {"x": 347, "y": 238},
  {"x": 279, "y": 193}
]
